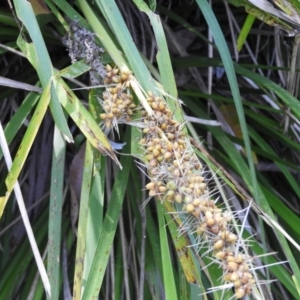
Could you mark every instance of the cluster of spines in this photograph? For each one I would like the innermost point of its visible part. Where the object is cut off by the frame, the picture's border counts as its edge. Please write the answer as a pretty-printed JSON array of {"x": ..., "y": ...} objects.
[
  {"x": 177, "y": 176},
  {"x": 117, "y": 101}
]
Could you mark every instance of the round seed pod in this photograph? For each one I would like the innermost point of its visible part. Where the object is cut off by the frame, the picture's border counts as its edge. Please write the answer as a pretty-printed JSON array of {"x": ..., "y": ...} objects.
[
  {"x": 110, "y": 115},
  {"x": 155, "y": 153},
  {"x": 237, "y": 283},
  {"x": 167, "y": 155},
  {"x": 188, "y": 199},
  {"x": 163, "y": 126},
  {"x": 227, "y": 277},
  {"x": 150, "y": 186},
  {"x": 208, "y": 215},
  {"x": 196, "y": 202},
  {"x": 201, "y": 229},
  {"x": 178, "y": 198},
  {"x": 161, "y": 106},
  {"x": 220, "y": 255},
  {"x": 176, "y": 172},
  {"x": 196, "y": 213},
  {"x": 232, "y": 238},
  {"x": 115, "y": 71},
  {"x": 171, "y": 185},
  {"x": 210, "y": 222},
  {"x": 108, "y": 68},
  {"x": 153, "y": 163},
  {"x": 230, "y": 258},
  {"x": 154, "y": 105},
  {"x": 149, "y": 157},
  {"x": 239, "y": 258},
  {"x": 115, "y": 79},
  {"x": 189, "y": 207},
  {"x": 240, "y": 293},
  {"x": 160, "y": 158},
  {"x": 162, "y": 189},
  {"x": 170, "y": 195},
  {"x": 152, "y": 193},
  {"x": 234, "y": 276},
  {"x": 103, "y": 116},
  {"x": 215, "y": 229},
  {"x": 108, "y": 123},
  {"x": 232, "y": 266},
  {"x": 218, "y": 245}
]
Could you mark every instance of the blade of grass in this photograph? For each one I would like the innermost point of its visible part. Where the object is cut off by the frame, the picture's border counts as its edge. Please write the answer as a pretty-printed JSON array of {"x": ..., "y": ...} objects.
[
  {"x": 41, "y": 60},
  {"x": 245, "y": 31},
  {"x": 25, "y": 145},
  {"x": 168, "y": 271},
  {"x": 55, "y": 212},
  {"x": 163, "y": 60},
  {"x": 83, "y": 119},
  {"x": 24, "y": 215},
  {"x": 82, "y": 223},
  {"x": 16, "y": 121},
  {"x": 105, "y": 240}
]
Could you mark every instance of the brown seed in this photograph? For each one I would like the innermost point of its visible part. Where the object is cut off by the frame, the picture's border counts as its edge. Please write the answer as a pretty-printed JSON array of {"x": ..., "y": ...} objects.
[
  {"x": 146, "y": 130},
  {"x": 240, "y": 293},
  {"x": 152, "y": 193},
  {"x": 202, "y": 185},
  {"x": 167, "y": 155},
  {"x": 210, "y": 222},
  {"x": 220, "y": 255},
  {"x": 155, "y": 153},
  {"x": 161, "y": 106},
  {"x": 196, "y": 202},
  {"x": 170, "y": 195},
  {"x": 153, "y": 163},
  {"x": 188, "y": 199},
  {"x": 232, "y": 238},
  {"x": 215, "y": 229},
  {"x": 142, "y": 141},
  {"x": 160, "y": 158},
  {"x": 170, "y": 136},
  {"x": 154, "y": 105},
  {"x": 227, "y": 276},
  {"x": 232, "y": 266},
  {"x": 189, "y": 207},
  {"x": 149, "y": 157},
  {"x": 115, "y": 71},
  {"x": 169, "y": 146},
  {"x": 234, "y": 276},
  {"x": 218, "y": 244},
  {"x": 103, "y": 116},
  {"x": 115, "y": 79},
  {"x": 230, "y": 258},
  {"x": 163, "y": 126},
  {"x": 237, "y": 283},
  {"x": 124, "y": 77},
  {"x": 171, "y": 185},
  {"x": 178, "y": 198},
  {"x": 239, "y": 259},
  {"x": 150, "y": 186},
  {"x": 162, "y": 189}
]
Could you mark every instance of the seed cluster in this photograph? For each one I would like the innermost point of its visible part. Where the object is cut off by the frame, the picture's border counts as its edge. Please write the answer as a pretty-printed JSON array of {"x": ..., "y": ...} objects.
[
  {"x": 177, "y": 176},
  {"x": 117, "y": 101}
]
